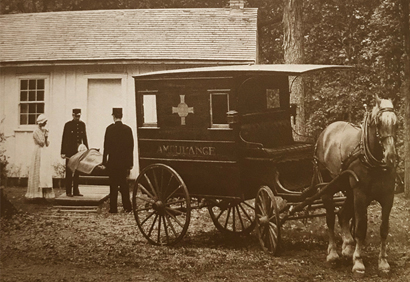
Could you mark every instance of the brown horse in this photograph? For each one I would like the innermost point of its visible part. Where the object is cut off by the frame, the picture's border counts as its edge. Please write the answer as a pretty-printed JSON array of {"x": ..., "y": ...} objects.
[{"x": 369, "y": 153}]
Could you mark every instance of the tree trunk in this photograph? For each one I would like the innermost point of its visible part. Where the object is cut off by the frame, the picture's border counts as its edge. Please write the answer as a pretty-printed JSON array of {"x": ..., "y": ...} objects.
[
  {"x": 406, "y": 95},
  {"x": 293, "y": 52}
]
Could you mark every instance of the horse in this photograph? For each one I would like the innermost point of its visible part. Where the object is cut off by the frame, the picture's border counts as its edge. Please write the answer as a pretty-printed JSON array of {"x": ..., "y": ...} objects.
[{"x": 369, "y": 154}]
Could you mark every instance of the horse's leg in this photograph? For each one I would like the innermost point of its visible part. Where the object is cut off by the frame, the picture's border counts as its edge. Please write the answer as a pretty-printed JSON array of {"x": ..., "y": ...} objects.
[
  {"x": 332, "y": 255},
  {"x": 360, "y": 212},
  {"x": 345, "y": 214},
  {"x": 386, "y": 204}
]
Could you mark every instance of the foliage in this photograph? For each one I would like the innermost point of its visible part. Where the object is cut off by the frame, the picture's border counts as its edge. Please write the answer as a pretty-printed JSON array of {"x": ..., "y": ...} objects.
[
  {"x": 334, "y": 30},
  {"x": 3, "y": 159},
  {"x": 7, "y": 209},
  {"x": 383, "y": 55},
  {"x": 382, "y": 51},
  {"x": 270, "y": 30},
  {"x": 17, "y": 170},
  {"x": 367, "y": 35},
  {"x": 335, "y": 34},
  {"x": 59, "y": 170}
]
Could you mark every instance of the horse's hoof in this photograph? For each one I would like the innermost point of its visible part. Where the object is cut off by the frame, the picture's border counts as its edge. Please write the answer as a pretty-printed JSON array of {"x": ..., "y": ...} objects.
[
  {"x": 358, "y": 273},
  {"x": 384, "y": 273},
  {"x": 358, "y": 268},
  {"x": 384, "y": 267},
  {"x": 332, "y": 257}
]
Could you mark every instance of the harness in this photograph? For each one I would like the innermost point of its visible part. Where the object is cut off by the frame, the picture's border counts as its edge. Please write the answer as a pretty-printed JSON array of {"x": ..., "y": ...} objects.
[{"x": 361, "y": 152}]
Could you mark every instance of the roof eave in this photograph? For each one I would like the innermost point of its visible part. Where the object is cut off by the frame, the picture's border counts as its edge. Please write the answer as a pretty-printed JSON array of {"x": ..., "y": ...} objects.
[{"x": 126, "y": 62}]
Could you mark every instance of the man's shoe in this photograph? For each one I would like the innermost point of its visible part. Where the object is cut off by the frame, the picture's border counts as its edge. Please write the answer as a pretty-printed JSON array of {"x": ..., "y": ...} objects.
[
  {"x": 110, "y": 211},
  {"x": 79, "y": 195},
  {"x": 69, "y": 195}
]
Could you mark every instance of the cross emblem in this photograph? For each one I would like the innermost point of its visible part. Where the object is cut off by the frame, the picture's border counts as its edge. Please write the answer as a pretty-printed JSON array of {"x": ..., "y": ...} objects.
[{"x": 182, "y": 110}]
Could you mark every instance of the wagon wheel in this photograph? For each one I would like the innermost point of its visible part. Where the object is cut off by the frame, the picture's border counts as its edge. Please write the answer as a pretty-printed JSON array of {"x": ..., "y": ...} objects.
[
  {"x": 234, "y": 217},
  {"x": 267, "y": 220},
  {"x": 161, "y": 205}
]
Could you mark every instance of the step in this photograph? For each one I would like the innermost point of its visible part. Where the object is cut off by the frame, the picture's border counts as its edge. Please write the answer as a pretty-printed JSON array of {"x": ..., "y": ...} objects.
[
  {"x": 93, "y": 195},
  {"x": 77, "y": 209}
]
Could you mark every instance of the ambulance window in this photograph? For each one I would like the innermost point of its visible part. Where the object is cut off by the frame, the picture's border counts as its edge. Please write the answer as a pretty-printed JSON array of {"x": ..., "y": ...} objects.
[
  {"x": 272, "y": 98},
  {"x": 219, "y": 107},
  {"x": 149, "y": 107}
]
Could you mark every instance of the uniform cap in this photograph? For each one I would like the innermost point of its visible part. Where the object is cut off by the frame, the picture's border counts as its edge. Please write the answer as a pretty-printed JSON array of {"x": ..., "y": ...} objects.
[{"x": 77, "y": 111}]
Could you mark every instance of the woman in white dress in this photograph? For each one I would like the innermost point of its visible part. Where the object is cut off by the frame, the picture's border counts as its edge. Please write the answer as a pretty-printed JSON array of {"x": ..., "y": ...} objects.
[{"x": 40, "y": 176}]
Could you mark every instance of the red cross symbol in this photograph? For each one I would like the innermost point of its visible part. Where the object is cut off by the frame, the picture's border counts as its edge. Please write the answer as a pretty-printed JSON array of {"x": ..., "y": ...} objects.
[{"x": 182, "y": 110}]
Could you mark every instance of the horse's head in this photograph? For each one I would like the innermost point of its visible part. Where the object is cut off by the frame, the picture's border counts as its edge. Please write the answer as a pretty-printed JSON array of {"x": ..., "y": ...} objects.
[{"x": 385, "y": 120}]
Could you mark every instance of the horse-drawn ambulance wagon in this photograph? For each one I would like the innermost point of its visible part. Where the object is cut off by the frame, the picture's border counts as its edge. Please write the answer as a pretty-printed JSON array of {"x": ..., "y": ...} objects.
[
  {"x": 218, "y": 137},
  {"x": 221, "y": 138}
]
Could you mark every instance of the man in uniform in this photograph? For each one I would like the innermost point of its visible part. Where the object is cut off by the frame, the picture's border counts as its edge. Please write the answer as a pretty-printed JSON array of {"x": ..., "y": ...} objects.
[
  {"x": 74, "y": 134},
  {"x": 118, "y": 159}
]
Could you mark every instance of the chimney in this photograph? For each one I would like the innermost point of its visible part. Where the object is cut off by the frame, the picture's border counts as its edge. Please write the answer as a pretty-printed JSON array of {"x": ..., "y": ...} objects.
[{"x": 236, "y": 4}]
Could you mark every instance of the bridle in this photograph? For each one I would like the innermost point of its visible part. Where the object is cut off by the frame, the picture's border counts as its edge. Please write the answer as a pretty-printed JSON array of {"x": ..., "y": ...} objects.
[
  {"x": 367, "y": 157},
  {"x": 376, "y": 121}
]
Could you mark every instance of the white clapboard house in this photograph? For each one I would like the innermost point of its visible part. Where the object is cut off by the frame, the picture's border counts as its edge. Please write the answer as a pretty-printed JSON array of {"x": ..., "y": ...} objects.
[{"x": 53, "y": 62}]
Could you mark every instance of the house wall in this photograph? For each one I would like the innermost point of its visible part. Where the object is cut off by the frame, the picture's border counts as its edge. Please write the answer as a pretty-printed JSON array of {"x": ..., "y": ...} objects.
[{"x": 67, "y": 87}]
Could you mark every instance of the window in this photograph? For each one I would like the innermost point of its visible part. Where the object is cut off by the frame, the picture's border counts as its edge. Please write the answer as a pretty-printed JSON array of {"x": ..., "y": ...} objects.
[
  {"x": 31, "y": 100},
  {"x": 272, "y": 98},
  {"x": 219, "y": 108},
  {"x": 149, "y": 109}
]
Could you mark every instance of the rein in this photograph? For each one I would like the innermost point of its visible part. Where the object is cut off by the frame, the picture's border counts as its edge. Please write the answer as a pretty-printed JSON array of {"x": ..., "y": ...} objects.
[{"x": 366, "y": 155}]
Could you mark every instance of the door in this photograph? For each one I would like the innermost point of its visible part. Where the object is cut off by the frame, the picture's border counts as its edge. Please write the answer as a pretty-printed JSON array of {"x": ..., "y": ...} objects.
[{"x": 103, "y": 95}]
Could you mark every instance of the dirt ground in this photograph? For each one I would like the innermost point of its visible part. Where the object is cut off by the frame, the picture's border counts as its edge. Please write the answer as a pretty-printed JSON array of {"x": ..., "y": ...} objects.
[{"x": 42, "y": 244}]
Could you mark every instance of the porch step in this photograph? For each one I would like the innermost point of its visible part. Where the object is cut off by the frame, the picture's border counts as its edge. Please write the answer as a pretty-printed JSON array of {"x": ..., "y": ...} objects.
[
  {"x": 93, "y": 195},
  {"x": 76, "y": 209}
]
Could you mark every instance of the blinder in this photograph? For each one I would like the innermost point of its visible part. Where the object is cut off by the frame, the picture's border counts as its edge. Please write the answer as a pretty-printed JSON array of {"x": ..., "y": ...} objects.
[
  {"x": 367, "y": 157},
  {"x": 376, "y": 121}
]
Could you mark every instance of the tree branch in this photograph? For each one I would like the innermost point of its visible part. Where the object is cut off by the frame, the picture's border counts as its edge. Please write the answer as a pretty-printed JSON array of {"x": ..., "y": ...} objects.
[{"x": 275, "y": 20}]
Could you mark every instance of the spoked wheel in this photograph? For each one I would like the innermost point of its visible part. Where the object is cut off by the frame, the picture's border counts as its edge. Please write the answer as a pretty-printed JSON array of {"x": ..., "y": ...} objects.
[
  {"x": 234, "y": 217},
  {"x": 161, "y": 205},
  {"x": 267, "y": 220}
]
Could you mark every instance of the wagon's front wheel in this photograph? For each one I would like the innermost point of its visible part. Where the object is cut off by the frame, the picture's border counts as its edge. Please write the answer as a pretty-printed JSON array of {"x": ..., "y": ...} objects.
[
  {"x": 161, "y": 205},
  {"x": 234, "y": 217},
  {"x": 267, "y": 220}
]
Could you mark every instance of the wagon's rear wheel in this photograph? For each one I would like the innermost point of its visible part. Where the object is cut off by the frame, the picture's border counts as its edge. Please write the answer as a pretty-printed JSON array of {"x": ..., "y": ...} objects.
[
  {"x": 234, "y": 217},
  {"x": 267, "y": 220},
  {"x": 161, "y": 205}
]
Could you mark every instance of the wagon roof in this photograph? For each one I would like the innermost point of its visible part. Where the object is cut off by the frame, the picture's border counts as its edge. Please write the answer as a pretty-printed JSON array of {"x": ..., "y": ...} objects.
[{"x": 272, "y": 69}]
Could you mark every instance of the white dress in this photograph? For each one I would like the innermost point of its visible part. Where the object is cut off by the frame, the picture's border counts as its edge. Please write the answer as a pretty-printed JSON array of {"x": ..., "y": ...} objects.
[{"x": 40, "y": 176}]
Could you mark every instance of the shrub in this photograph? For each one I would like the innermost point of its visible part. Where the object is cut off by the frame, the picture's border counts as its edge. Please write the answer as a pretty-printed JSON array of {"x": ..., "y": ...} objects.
[{"x": 3, "y": 160}]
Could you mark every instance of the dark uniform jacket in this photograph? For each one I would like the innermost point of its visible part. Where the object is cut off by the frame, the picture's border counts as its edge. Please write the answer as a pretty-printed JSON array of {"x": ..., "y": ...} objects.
[
  {"x": 74, "y": 134},
  {"x": 118, "y": 147}
]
